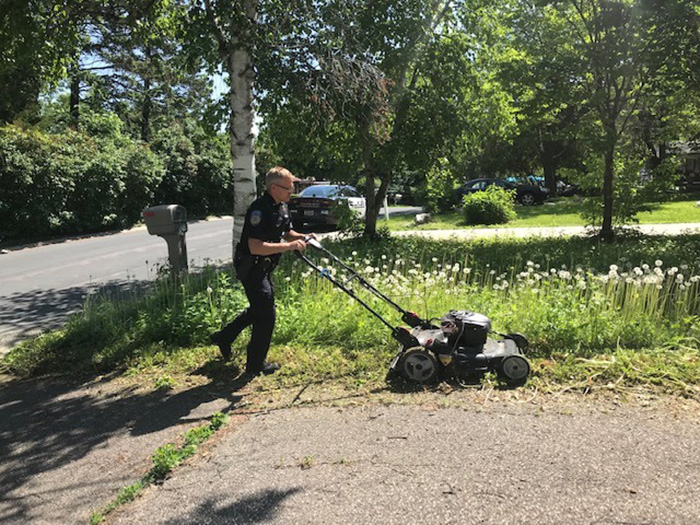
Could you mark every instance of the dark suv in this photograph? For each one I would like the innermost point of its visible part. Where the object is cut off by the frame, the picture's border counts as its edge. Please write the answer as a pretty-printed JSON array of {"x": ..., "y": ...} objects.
[{"x": 525, "y": 194}]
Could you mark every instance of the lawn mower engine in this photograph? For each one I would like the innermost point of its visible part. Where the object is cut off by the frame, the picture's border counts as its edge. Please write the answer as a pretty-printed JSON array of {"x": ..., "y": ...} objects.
[{"x": 460, "y": 347}]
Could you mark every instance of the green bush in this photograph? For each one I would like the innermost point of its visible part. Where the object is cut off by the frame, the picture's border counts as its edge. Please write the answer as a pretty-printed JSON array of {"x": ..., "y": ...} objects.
[
  {"x": 494, "y": 205},
  {"x": 198, "y": 171},
  {"x": 72, "y": 182},
  {"x": 347, "y": 219},
  {"x": 438, "y": 195}
]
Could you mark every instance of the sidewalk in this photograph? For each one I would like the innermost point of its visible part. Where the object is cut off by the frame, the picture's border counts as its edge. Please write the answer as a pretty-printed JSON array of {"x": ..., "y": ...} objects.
[
  {"x": 499, "y": 458},
  {"x": 398, "y": 465},
  {"x": 67, "y": 449}
]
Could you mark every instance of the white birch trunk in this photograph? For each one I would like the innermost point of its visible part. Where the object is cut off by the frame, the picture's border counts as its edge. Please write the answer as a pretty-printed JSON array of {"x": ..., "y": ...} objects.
[{"x": 242, "y": 76}]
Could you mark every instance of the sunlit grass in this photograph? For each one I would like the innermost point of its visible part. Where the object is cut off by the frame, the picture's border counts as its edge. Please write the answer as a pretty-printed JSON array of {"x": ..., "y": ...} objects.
[{"x": 555, "y": 213}]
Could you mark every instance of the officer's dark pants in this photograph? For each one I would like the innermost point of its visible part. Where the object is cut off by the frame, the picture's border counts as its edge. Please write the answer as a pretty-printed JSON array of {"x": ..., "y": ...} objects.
[{"x": 260, "y": 315}]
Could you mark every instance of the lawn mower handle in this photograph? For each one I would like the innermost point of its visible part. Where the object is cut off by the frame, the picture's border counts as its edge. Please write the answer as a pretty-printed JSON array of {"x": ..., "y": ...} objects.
[{"x": 410, "y": 318}]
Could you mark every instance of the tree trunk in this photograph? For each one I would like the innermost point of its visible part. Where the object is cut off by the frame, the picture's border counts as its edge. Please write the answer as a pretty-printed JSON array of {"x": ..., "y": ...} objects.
[
  {"x": 237, "y": 56},
  {"x": 606, "y": 231},
  {"x": 242, "y": 137},
  {"x": 146, "y": 112},
  {"x": 74, "y": 102},
  {"x": 550, "y": 171}
]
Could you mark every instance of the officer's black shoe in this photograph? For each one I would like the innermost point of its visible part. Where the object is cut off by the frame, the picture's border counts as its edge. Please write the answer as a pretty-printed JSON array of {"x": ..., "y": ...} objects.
[
  {"x": 224, "y": 346},
  {"x": 267, "y": 369}
]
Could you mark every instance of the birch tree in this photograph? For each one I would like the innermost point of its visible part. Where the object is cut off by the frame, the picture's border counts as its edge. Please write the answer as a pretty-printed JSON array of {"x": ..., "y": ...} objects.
[{"x": 232, "y": 26}]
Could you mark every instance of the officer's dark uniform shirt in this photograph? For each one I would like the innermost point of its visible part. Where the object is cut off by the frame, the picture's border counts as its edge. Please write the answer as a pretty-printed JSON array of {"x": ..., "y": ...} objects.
[{"x": 265, "y": 221}]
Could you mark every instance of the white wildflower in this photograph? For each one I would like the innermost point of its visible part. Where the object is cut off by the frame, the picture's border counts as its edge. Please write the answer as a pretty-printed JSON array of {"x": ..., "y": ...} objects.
[{"x": 658, "y": 263}]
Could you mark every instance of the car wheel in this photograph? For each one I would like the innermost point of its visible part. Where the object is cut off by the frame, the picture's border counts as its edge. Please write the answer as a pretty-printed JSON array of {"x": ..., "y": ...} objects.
[{"x": 527, "y": 199}]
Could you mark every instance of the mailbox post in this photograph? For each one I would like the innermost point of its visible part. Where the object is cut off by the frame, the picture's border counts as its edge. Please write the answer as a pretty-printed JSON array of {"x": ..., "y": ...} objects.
[{"x": 170, "y": 222}]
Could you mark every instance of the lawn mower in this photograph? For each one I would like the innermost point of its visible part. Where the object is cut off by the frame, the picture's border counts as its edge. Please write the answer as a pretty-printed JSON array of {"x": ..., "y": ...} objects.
[{"x": 457, "y": 344}]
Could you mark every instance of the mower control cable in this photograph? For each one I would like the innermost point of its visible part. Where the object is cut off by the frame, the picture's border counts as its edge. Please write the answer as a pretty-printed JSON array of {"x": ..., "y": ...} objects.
[
  {"x": 325, "y": 273},
  {"x": 354, "y": 275}
]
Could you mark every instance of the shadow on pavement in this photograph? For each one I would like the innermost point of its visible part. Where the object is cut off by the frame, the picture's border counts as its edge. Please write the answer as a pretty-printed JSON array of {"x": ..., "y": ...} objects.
[
  {"x": 48, "y": 424},
  {"x": 37, "y": 311},
  {"x": 257, "y": 508}
]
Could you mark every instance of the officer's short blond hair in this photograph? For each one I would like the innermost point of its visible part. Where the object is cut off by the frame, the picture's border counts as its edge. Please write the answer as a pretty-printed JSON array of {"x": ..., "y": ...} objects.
[{"x": 277, "y": 174}]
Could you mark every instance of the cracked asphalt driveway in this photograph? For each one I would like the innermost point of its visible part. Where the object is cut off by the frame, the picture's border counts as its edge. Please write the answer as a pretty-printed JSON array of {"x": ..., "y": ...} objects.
[{"x": 393, "y": 464}]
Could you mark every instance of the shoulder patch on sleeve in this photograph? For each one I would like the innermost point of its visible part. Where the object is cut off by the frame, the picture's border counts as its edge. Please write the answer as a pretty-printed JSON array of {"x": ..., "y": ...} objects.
[{"x": 255, "y": 217}]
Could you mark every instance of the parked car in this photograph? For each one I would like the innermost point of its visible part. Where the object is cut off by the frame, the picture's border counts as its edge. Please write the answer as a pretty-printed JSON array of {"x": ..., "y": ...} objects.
[
  {"x": 526, "y": 194},
  {"x": 314, "y": 204}
]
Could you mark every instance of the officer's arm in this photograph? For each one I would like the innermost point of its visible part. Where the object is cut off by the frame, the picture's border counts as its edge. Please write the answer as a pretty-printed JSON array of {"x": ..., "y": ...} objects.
[
  {"x": 291, "y": 235},
  {"x": 259, "y": 247}
]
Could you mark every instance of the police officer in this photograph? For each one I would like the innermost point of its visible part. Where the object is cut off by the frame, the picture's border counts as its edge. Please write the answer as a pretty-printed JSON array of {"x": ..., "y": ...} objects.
[{"x": 267, "y": 222}]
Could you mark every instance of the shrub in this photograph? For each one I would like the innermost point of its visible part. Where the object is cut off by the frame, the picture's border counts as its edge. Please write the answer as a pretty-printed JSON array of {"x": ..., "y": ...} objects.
[
  {"x": 71, "y": 182},
  {"x": 347, "y": 219},
  {"x": 438, "y": 195},
  {"x": 494, "y": 205}
]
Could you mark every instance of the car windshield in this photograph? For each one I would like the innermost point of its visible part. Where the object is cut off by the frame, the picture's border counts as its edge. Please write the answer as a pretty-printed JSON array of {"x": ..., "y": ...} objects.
[{"x": 320, "y": 191}]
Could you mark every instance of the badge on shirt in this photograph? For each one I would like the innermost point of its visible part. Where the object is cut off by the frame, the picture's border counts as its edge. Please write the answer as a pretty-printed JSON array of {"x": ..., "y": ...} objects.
[{"x": 255, "y": 217}]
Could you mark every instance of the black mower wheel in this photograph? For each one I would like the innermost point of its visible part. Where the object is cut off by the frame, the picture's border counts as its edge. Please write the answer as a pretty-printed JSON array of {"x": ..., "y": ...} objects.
[
  {"x": 418, "y": 365},
  {"x": 520, "y": 341},
  {"x": 513, "y": 370}
]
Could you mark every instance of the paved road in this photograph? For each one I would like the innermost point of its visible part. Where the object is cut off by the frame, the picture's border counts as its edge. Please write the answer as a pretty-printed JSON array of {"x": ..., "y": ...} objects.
[{"x": 40, "y": 286}]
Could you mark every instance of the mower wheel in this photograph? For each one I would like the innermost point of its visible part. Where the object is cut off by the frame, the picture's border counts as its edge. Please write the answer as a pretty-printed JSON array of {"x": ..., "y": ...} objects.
[
  {"x": 513, "y": 370},
  {"x": 520, "y": 341},
  {"x": 417, "y": 364}
]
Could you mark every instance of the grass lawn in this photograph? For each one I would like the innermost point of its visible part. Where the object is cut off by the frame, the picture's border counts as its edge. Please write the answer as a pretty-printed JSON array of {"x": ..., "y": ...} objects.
[{"x": 563, "y": 212}]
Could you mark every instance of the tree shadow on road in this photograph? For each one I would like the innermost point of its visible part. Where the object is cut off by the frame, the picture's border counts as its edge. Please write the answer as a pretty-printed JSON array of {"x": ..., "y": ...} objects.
[
  {"x": 49, "y": 424},
  {"x": 260, "y": 507},
  {"x": 37, "y": 311}
]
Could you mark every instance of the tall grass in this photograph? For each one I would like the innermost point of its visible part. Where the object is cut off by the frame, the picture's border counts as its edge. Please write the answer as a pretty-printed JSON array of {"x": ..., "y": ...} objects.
[
  {"x": 576, "y": 311},
  {"x": 113, "y": 332},
  {"x": 570, "y": 297}
]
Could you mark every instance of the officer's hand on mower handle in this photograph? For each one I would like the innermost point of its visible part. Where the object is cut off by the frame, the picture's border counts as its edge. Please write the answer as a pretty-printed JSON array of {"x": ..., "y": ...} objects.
[{"x": 297, "y": 245}]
